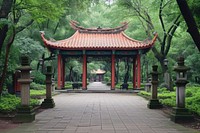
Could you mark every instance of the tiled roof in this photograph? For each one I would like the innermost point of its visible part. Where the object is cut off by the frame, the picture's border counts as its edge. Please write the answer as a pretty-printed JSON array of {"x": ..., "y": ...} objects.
[
  {"x": 105, "y": 39},
  {"x": 98, "y": 71}
]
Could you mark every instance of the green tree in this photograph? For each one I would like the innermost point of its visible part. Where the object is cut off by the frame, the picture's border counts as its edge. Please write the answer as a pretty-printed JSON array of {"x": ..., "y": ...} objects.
[
  {"x": 15, "y": 16},
  {"x": 153, "y": 17}
]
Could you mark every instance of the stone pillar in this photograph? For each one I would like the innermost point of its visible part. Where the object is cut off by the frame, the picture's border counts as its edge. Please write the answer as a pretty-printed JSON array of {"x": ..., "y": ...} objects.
[
  {"x": 113, "y": 72},
  {"x": 48, "y": 102},
  {"x": 180, "y": 113},
  {"x": 154, "y": 102},
  {"x": 25, "y": 112},
  {"x": 53, "y": 85}
]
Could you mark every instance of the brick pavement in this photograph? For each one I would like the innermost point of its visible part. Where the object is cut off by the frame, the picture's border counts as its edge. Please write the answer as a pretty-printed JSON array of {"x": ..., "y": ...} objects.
[{"x": 100, "y": 113}]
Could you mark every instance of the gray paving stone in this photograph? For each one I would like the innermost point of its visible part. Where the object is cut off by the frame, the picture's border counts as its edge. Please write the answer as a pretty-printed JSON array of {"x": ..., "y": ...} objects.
[{"x": 100, "y": 113}]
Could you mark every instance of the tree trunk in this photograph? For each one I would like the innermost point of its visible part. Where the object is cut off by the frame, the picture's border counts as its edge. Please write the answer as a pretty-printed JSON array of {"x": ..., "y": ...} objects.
[
  {"x": 3, "y": 34},
  {"x": 70, "y": 74},
  {"x": 189, "y": 19},
  {"x": 127, "y": 67},
  {"x": 8, "y": 45},
  {"x": 4, "y": 11}
]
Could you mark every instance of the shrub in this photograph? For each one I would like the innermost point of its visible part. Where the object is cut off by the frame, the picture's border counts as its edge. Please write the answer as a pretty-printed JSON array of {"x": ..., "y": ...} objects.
[
  {"x": 108, "y": 84},
  {"x": 169, "y": 101},
  {"x": 36, "y": 86},
  {"x": 37, "y": 92},
  {"x": 39, "y": 78},
  {"x": 9, "y": 103},
  {"x": 144, "y": 93},
  {"x": 107, "y": 79}
]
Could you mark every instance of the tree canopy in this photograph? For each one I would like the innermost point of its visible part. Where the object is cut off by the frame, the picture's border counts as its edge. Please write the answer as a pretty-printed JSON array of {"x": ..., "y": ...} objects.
[{"x": 21, "y": 21}]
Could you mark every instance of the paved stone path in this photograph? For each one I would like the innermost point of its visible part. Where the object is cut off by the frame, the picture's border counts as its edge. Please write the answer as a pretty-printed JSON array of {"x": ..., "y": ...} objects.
[
  {"x": 100, "y": 113},
  {"x": 97, "y": 86}
]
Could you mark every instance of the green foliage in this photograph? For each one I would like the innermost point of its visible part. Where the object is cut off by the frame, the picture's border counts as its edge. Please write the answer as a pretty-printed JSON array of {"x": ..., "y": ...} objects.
[
  {"x": 39, "y": 78},
  {"x": 169, "y": 98},
  {"x": 28, "y": 46},
  {"x": 107, "y": 79},
  {"x": 144, "y": 93},
  {"x": 37, "y": 92},
  {"x": 169, "y": 101},
  {"x": 68, "y": 85},
  {"x": 9, "y": 103},
  {"x": 40, "y": 10},
  {"x": 36, "y": 86}
]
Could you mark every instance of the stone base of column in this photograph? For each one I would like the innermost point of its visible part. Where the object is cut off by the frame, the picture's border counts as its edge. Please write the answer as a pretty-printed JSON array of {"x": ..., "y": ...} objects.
[
  {"x": 84, "y": 88},
  {"x": 48, "y": 103},
  {"x": 181, "y": 115},
  {"x": 154, "y": 104},
  {"x": 24, "y": 114}
]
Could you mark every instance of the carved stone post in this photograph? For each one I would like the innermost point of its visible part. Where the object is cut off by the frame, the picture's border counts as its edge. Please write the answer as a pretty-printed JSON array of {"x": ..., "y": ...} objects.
[
  {"x": 180, "y": 113},
  {"x": 154, "y": 102},
  {"x": 25, "y": 113},
  {"x": 48, "y": 102}
]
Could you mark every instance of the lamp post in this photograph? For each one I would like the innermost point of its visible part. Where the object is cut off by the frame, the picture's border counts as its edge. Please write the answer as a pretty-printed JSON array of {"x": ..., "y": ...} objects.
[
  {"x": 48, "y": 101},
  {"x": 180, "y": 113},
  {"x": 25, "y": 112},
  {"x": 154, "y": 102},
  {"x": 167, "y": 78},
  {"x": 41, "y": 62},
  {"x": 166, "y": 64}
]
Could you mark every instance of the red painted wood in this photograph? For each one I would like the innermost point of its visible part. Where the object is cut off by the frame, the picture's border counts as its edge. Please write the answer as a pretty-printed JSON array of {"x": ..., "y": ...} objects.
[
  {"x": 84, "y": 77},
  {"x": 63, "y": 74},
  {"x": 134, "y": 74},
  {"x": 113, "y": 72},
  {"x": 138, "y": 71},
  {"x": 59, "y": 72}
]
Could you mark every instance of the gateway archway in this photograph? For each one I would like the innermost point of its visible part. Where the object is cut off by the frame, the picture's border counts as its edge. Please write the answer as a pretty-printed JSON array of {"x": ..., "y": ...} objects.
[{"x": 109, "y": 42}]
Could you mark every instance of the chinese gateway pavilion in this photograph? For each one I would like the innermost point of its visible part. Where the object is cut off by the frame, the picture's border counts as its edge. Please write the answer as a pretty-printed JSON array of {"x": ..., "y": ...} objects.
[{"x": 95, "y": 42}]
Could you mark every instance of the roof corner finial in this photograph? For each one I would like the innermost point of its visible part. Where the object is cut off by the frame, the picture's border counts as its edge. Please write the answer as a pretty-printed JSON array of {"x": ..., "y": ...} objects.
[
  {"x": 155, "y": 36},
  {"x": 99, "y": 27},
  {"x": 42, "y": 32}
]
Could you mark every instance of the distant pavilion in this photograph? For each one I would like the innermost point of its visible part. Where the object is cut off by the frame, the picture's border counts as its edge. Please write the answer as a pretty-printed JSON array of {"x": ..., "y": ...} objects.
[
  {"x": 98, "y": 75},
  {"x": 98, "y": 42}
]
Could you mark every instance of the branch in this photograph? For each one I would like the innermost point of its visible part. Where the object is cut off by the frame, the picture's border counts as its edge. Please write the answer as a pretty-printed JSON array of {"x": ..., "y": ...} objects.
[
  {"x": 21, "y": 28},
  {"x": 167, "y": 34},
  {"x": 156, "y": 53},
  {"x": 54, "y": 32},
  {"x": 160, "y": 16},
  {"x": 169, "y": 39}
]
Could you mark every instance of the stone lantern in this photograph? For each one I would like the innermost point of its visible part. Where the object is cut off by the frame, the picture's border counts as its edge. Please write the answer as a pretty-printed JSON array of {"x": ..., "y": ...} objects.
[
  {"x": 180, "y": 113},
  {"x": 25, "y": 113},
  {"x": 154, "y": 102},
  {"x": 48, "y": 102},
  {"x": 167, "y": 77}
]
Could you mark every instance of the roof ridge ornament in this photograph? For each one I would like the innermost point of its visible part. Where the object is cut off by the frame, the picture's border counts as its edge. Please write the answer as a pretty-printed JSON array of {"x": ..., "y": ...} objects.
[{"x": 99, "y": 30}]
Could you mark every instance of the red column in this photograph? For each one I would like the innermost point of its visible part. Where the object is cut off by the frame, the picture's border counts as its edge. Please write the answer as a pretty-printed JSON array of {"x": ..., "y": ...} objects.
[
  {"x": 63, "y": 73},
  {"x": 84, "y": 77},
  {"x": 134, "y": 74},
  {"x": 138, "y": 71},
  {"x": 59, "y": 72},
  {"x": 113, "y": 72}
]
